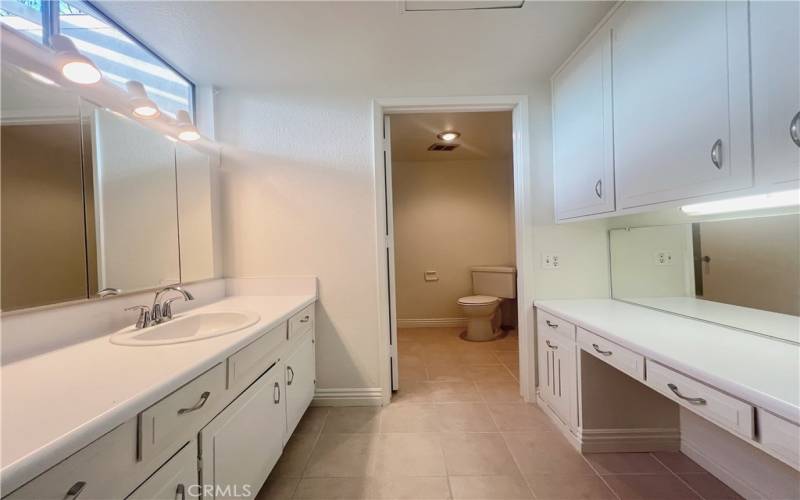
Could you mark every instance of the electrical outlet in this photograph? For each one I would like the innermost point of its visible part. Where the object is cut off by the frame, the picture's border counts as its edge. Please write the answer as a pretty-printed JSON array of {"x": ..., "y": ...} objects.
[
  {"x": 663, "y": 258},
  {"x": 551, "y": 261}
]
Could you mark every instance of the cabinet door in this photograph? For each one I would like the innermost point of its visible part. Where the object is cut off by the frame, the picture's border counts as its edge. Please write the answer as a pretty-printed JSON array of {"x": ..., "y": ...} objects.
[
  {"x": 242, "y": 444},
  {"x": 775, "y": 47},
  {"x": 681, "y": 100},
  {"x": 300, "y": 381},
  {"x": 583, "y": 153},
  {"x": 175, "y": 480},
  {"x": 557, "y": 378}
]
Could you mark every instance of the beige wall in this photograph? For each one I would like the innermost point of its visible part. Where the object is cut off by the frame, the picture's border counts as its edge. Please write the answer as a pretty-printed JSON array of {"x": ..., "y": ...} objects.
[{"x": 449, "y": 216}]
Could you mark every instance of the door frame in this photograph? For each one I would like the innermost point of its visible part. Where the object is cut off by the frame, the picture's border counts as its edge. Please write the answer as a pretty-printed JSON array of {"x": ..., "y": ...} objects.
[{"x": 523, "y": 222}]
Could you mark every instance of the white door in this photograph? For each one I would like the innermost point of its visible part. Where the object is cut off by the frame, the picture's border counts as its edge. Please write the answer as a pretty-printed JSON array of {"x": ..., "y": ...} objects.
[
  {"x": 681, "y": 100},
  {"x": 175, "y": 480},
  {"x": 242, "y": 444},
  {"x": 583, "y": 148},
  {"x": 775, "y": 47},
  {"x": 299, "y": 368},
  {"x": 389, "y": 237}
]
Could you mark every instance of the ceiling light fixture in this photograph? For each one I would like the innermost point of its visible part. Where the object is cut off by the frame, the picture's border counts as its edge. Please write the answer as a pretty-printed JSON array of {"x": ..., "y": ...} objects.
[
  {"x": 741, "y": 204},
  {"x": 73, "y": 65},
  {"x": 448, "y": 135},
  {"x": 170, "y": 138},
  {"x": 188, "y": 132},
  {"x": 143, "y": 107}
]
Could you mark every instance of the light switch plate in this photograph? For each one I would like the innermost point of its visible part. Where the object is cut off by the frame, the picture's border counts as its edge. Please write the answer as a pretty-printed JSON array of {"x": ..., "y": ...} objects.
[
  {"x": 663, "y": 258},
  {"x": 551, "y": 261},
  {"x": 431, "y": 276}
]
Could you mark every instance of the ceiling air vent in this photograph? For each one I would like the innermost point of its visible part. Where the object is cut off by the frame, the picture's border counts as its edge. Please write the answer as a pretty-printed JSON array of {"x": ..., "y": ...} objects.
[
  {"x": 442, "y": 5},
  {"x": 442, "y": 147}
]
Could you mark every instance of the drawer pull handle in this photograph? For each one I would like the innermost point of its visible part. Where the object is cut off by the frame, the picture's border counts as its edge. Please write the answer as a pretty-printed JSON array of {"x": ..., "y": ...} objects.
[
  {"x": 794, "y": 129},
  {"x": 75, "y": 491},
  {"x": 291, "y": 375},
  {"x": 305, "y": 319},
  {"x": 716, "y": 154},
  {"x": 203, "y": 399},
  {"x": 276, "y": 393},
  {"x": 550, "y": 324},
  {"x": 694, "y": 401},
  {"x": 180, "y": 492},
  {"x": 598, "y": 188},
  {"x": 604, "y": 353},
  {"x": 551, "y": 346}
]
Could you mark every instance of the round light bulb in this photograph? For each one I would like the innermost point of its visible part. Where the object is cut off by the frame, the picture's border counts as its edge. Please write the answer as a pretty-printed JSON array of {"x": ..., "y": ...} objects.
[
  {"x": 188, "y": 135},
  {"x": 146, "y": 112},
  {"x": 448, "y": 136},
  {"x": 81, "y": 72}
]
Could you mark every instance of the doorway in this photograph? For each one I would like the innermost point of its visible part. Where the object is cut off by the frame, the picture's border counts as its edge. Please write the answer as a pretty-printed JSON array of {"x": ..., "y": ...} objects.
[{"x": 490, "y": 221}]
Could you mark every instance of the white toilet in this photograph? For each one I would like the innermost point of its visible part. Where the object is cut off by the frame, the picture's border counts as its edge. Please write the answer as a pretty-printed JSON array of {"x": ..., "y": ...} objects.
[{"x": 491, "y": 285}]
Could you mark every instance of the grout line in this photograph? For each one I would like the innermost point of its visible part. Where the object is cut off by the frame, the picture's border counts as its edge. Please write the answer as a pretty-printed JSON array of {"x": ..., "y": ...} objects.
[
  {"x": 313, "y": 447},
  {"x": 677, "y": 476},
  {"x": 597, "y": 473}
]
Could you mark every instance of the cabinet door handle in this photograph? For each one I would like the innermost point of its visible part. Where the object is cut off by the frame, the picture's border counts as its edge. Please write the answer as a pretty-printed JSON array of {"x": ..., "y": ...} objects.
[
  {"x": 551, "y": 346},
  {"x": 276, "y": 393},
  {"x": 550, "y": 324},
  {"x": 598, "y": 188},
  {"x": 694, "y": 401},
  {"x": 200, "y": 404},
  {"x": 180, "y": 492},
  {"x": 75, "y": 491},
  {"x": 794, "y": 129},
  {"x": 305, "y": 319},
  {"x": 291, "y": 377},
  {"x": 716, "y": 154},
  {"x": 604, "y": 353}
]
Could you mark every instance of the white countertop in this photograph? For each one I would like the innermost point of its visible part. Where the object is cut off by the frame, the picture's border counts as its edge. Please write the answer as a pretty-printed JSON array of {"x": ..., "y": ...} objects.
[
  {"x": 58, "y": 402},
  {"x": 762, "y": 371}
]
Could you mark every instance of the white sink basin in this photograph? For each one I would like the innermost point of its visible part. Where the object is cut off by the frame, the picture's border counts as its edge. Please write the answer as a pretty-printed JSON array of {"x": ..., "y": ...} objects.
[{"x": 187, "y": 328}]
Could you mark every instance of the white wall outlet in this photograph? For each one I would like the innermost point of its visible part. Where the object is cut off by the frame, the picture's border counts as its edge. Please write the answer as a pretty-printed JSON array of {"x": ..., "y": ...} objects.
[
  {"x": 551, "y": 261},
  {"x": 431, "y": 276},
  {"x": 663, "y": 258}
]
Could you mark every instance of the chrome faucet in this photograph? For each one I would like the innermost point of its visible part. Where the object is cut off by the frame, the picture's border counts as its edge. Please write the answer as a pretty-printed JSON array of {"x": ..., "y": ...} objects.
[{"x": 161, "y": 312}]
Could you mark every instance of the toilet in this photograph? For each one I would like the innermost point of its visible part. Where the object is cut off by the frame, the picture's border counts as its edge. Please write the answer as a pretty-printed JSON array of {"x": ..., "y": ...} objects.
[{"x": 490, "y": 286}]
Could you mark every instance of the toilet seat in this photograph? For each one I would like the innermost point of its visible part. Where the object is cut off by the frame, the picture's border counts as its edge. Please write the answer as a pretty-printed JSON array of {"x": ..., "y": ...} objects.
[{"x": 477, "y": 300}]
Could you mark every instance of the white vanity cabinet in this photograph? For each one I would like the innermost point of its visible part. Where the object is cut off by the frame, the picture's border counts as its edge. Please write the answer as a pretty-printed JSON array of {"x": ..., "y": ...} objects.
[
  {"x": 242, "y": 444},
  {"x": 583, "y": 147},
  {"x": 175, "y": 480},
  {"x": 557, "y": 366},
  {"x": 775, "y": 49},
  {"x": 681, "y": 100},
  {"x": 300, "y": 381}
]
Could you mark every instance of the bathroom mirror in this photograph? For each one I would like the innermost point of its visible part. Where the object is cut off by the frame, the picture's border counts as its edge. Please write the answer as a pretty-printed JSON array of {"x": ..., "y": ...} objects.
[{"x": 743, "y": 273}]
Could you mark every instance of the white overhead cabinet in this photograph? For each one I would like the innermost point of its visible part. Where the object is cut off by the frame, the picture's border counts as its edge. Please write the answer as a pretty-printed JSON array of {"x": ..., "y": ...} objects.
[
  {"x": 681, "y": 100},
  {"x": 775, "y": 48},
  {"x": 583, "y": 148}
]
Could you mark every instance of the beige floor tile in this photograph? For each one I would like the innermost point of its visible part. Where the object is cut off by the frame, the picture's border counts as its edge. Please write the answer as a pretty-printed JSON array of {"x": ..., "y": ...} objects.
[
  {"x": 477, "y": 357},
  {"x": 409, "y": 455},
  {"x": 410, "y": 488},
  {"x": 499, "y": 392},
  {"x": 295, "y": 455},
  {"x": 507, "y": 357},
  {"x": 352, "y": 420},
  {"x": 709, "y": 487},
  {"x": 454, "y": 392},
  {"x": 625, "y": 463},
  {"x": 412, "y": 392},
  {"x": 520, "y": 417},
  {"x": 342, "y": 455},
  {"x": 410, "y": 418},
  {"x": 278, "y": 488},
  {"x": 545, "y": 453},
  {"x": 412, "y": 374},
  {"x": 489, "y": 487},
  {"x": 477, "y": 453},
  {"x": 677, "y": 462},
  {"x": 492, "y": 373},
  {"x": 449, "y": 372},
  {"x": 313, "y": 420},
  {"x": 650, "y": 487},
  {"x": 569, "y": 487},
  {"x": 508, "y": 343},
  {"x": 339, "y": 488},
  {"x": 465, "y": 417}
]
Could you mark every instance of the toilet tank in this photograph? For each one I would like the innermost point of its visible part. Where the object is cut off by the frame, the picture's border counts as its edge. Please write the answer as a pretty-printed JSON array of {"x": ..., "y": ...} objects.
[{"x": 497, "y": 281}]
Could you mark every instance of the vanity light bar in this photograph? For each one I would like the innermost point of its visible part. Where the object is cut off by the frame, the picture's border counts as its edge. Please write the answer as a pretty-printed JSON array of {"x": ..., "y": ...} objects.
[{"x": 755, "y": 202}]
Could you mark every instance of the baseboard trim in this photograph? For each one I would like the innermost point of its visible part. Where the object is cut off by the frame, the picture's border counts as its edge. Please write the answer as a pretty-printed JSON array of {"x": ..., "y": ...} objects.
[
  {"x": 629, "y": 440},
  {"x": 431, "y": 322},
  {"x": 719, "y": 471},
  {"x": 368, "y": 396}
]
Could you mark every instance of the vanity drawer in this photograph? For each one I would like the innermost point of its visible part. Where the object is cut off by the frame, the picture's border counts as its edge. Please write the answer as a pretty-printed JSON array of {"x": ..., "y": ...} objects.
[
  {"x": 100, "y": 470},
  {"x": 780, "y": 438},
  {"x": 174, "y": 479},
  {"x": 725, "y": 411},
  {"x": 615, "y": 355},
  {"x": 301, "y": 322},
  {"x": 548, "y": 322},
  {"x": 251, "y": 361},
  {"x": 179, "y": 415}
]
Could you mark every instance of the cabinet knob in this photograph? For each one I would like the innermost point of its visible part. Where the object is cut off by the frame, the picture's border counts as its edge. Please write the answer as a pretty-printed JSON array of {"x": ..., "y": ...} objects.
[
  {"x": 598, "y": 188},
  {"x": 600, "y": 351},
  {"x": 200, "y": 404},
  {"x": 551, "y": 324},
  {"x": 551, "y": 346},
  {"x": 291, "y": 375},
  {"x": 716, "y": 154},
  {"x": 276, "y": 393},
  {"x": 75, "y": 491},
  {"x": 694, "y": 401},
  {"x": 794, "y": 129}
]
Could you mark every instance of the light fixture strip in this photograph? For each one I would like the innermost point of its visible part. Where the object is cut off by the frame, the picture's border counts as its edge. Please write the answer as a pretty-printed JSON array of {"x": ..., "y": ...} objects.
[{"x": 744, "y": 203}]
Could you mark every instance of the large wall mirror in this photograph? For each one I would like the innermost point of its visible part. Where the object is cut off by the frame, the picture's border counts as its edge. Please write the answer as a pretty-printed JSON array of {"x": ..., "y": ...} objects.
[
  {"x": 743, "y": 273},
  {"x": 93, "y": 202}
]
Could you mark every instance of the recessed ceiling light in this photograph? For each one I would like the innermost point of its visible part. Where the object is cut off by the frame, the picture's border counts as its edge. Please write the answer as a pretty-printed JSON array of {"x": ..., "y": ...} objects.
[
  {"x": 741, "y": 204},
  {"x": 143, "y": 107},
  {"x": 73, "y": 65},
  {"x": 188, "y": 132},
  {"x": 448, "y": 135}
]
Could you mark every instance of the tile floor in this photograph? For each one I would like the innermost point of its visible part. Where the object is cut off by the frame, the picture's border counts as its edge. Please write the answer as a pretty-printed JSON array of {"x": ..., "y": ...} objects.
[{"x": 458, "y": 429}]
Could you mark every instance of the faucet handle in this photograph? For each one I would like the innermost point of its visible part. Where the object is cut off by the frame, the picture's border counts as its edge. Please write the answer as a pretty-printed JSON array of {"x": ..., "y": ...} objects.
[
  {"x": 166, "y": 308},
  {"x": 144, "y": 316}
]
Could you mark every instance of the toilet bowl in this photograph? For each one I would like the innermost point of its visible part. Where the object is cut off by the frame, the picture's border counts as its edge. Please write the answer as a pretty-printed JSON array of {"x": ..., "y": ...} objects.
[{"x": 491, "y": 285}]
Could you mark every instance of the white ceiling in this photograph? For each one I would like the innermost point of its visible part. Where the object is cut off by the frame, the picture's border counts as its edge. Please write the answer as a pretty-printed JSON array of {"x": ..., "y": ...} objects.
[
  {"x": 483, "y": 136},
  {"x": 310, "y": 45}
]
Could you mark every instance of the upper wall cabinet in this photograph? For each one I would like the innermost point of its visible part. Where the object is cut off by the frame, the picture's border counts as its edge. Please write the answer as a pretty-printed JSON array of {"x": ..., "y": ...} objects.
[
  {"x": 775, "y": 49},
  {"x": 583, "y": 151},
  {"x": 681, "y": 100}
]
